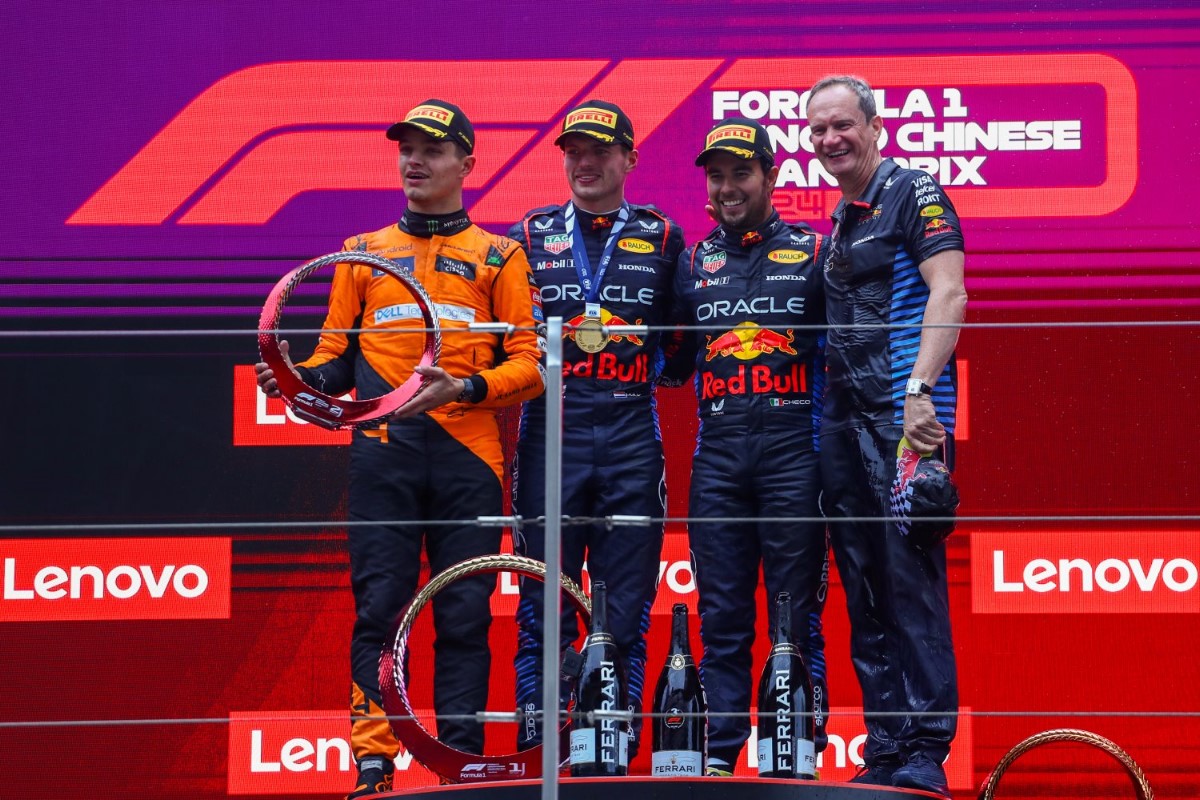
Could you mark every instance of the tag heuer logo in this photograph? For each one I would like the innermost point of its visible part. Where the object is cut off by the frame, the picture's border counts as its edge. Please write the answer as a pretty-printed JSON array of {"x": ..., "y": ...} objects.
[
  {"x": 557, "y": 243},
  {"x": 713, "y": 261}
]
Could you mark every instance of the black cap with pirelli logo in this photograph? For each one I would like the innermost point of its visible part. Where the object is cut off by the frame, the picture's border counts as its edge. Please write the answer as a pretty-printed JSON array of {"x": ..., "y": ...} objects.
[
  {"x": 438, "y": 119},
  {"x": 601, "y": 120},
  {"x": 739, "y": 136}
]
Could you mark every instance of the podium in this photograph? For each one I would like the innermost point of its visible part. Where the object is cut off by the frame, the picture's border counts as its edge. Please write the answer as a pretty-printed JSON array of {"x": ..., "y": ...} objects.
[{"x": 643, "y": 788}]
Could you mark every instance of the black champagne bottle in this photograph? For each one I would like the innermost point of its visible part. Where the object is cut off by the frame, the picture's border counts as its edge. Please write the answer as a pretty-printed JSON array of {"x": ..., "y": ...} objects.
[
  {"x": 681, "y": 709},
  {"x": 785, "y": 722},
  {"x": 600, "y": 745}
]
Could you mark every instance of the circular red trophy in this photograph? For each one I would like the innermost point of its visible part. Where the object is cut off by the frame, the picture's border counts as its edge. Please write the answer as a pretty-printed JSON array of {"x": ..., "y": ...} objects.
[
  {"x": 452, "y": 764},
  {"x": 315, "y": 406}
]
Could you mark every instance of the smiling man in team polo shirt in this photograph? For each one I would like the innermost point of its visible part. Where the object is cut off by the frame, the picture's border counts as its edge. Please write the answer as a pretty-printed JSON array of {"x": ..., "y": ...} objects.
[{"x": 896, "y": 259}]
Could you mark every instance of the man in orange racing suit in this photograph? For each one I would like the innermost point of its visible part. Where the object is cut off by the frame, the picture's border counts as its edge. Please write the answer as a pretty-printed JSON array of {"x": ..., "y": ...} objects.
[{"x": 439, "y": 457}]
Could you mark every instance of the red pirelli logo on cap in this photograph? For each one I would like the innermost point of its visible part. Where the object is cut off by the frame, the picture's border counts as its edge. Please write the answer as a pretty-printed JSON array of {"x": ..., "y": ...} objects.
[
  {"x": 597, "y": 115},
  {"x": 743, "y": 132},
  {"x": 435, "y": 113}
]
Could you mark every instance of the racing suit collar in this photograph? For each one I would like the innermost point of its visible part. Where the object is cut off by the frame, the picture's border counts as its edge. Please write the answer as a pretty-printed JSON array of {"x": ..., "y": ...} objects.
[
  {"x": 596, "y": 224},
  {"x": 426, "y": 226},
  {"x": 750, "y": 238}
]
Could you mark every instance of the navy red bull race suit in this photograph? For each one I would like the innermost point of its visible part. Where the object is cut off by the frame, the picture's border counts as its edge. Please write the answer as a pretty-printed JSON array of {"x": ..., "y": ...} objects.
[
  {"x": 759, "y": 386},
  {"x": 612, "y": 447},
  {"x": 446, "y": 464},
  {"x": 895, "y": 591}
]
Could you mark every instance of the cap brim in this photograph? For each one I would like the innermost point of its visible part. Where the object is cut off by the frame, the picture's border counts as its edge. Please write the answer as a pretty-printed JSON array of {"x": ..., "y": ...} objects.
[
  {"x": 394, "y": 132},
  {"x": 739, "y": 152},
  {"x": 603, "y": 138}
]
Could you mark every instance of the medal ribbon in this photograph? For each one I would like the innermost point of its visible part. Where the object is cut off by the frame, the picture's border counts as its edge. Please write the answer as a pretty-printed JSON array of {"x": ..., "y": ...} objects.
[{"x": 583, "y": 268}]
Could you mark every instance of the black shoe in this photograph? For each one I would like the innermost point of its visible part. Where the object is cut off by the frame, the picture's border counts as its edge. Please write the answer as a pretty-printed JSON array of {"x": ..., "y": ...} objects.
[
  {"x": 922, "y": 772},
  {"x": 374, "y": 776},
  {"x": 876, "y": 774}
]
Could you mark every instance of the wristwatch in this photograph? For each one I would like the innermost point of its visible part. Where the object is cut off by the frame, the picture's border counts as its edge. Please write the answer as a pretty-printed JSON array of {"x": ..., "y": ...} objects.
[
  {"x": 916, "y": 386},
  {"x": 467, "y": 395}
]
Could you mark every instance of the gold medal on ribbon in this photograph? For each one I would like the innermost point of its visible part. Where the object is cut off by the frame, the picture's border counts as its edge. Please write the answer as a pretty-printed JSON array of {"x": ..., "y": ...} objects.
[{"x": 590, "y": 335}]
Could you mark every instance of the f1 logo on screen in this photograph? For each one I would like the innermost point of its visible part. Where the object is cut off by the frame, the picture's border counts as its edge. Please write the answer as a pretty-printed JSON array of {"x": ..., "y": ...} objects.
[{"x": 237, "y": 153}]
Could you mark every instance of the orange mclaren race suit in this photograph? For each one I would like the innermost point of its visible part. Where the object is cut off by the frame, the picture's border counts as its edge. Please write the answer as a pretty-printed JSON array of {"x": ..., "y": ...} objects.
[{"x": 446, "y": 464}]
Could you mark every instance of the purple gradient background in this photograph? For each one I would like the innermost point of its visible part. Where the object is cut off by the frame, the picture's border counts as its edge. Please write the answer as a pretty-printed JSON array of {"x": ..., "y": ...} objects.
[
  {"x": 100, "y": 81},
  {"x": 1064, "y": 421}
]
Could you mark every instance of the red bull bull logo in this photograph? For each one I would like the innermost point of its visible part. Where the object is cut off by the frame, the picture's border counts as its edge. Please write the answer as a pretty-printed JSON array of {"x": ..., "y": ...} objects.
[
  {"x": 937, "y": 226},
  {"x": 608, "y": 319},
  {"x": 747, "y": 340}
]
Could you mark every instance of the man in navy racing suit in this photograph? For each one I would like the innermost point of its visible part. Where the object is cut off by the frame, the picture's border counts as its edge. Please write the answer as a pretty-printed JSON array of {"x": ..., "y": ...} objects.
[
  {"x": 896, "y": 259},
  {"x": 598, "y": 260},
  {"x": 757, "y": 281}
]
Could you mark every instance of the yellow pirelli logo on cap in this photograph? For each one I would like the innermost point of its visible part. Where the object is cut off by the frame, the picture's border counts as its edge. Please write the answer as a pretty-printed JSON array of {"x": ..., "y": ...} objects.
[
  {"x": 597, "y": 115},
  {"x": 435, "y": 113},
  {"x": 743, "y": 132}
]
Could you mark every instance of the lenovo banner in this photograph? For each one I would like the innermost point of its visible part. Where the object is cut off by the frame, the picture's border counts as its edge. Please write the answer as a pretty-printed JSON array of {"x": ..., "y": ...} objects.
[
  {"x": 112, "y": 579},
  {"x": 1086, "y": 572}
]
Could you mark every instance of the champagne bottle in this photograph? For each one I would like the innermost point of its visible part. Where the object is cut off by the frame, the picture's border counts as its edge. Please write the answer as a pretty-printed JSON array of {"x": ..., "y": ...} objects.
[
  {"x": 681, "y": 709},
  {"x": 600, "y": 746},
  {"x": 785, "y": 721}
]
